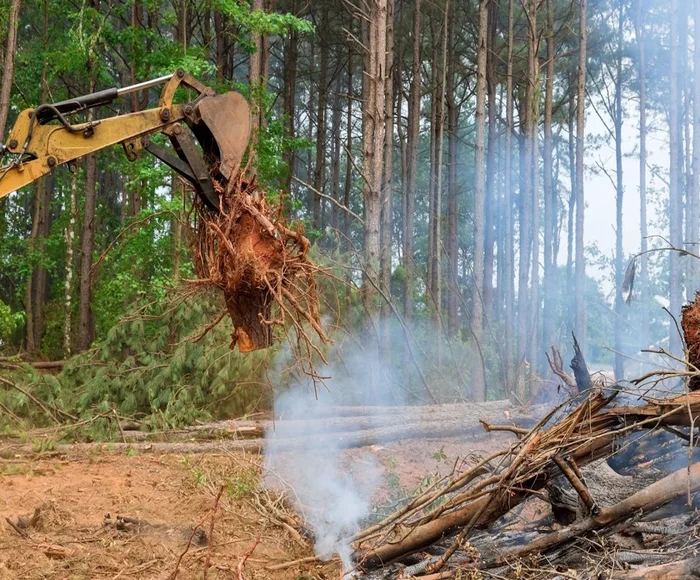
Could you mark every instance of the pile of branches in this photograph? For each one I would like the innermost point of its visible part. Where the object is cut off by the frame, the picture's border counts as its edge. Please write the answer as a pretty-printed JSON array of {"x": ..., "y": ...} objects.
[
  {"x": 443, "y": 521},
  {"x": 247, "y": 251}
]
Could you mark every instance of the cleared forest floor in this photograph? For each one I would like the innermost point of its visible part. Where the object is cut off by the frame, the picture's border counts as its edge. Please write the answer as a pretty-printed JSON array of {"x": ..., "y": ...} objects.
[{"x": 169, "y": 495}]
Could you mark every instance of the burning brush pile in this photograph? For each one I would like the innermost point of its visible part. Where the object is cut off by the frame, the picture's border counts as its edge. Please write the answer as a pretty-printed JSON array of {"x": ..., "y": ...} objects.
[
  {"x": 261, "y": 266},
  {"x": 490, "y": 520},
  {"x": 603, "y": 486}
]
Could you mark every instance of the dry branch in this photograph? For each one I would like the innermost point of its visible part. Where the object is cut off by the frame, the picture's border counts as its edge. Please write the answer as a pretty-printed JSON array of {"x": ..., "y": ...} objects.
[{"x": 577, "y": 483}]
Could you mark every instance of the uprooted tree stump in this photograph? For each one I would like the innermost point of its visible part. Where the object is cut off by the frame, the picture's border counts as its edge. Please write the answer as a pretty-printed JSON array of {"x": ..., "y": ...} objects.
[
  {"x": 690, "y": 323},
  {"x": 246, "y": 250}
]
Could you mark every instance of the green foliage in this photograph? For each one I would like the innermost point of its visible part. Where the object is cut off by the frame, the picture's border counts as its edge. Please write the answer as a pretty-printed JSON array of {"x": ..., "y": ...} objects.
[
  {"x": 9, "y": 321},
  {"x": 244, "y": 483},
  {"x": 150, "y": 367},
  {"x": 247, "y": 21}
]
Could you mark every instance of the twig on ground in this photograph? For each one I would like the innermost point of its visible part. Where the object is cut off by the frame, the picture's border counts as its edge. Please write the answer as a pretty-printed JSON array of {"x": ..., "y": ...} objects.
[
  {"x": 211, "y": 531},
  {"x": 512, "y": 428},
  {"x": 187, "y": 547},
  {"x": 242, "y": 561},
  {"x": 119, "y": 425},
  {"x": 577, "y": 483},
  {"x": 286, "y": 565},
  {"x": 17, "y": 529}
]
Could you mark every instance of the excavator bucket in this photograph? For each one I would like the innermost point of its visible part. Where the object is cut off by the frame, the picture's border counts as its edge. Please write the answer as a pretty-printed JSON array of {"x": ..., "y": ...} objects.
[{"x": 222, "y": 125}]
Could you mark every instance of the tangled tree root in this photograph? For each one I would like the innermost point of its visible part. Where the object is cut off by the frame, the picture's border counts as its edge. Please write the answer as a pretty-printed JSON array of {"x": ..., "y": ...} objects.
[
  {"x": 260, "y": 265},
  {"x": 690, "y": 322}
]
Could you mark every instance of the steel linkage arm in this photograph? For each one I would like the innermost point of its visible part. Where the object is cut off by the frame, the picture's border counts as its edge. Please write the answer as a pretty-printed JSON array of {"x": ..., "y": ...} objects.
[{"x": 40, "y": 147}]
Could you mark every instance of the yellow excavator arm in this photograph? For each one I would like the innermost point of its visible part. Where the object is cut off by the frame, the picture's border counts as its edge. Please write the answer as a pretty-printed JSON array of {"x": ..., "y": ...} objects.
[{"x": 44, "y": 138}]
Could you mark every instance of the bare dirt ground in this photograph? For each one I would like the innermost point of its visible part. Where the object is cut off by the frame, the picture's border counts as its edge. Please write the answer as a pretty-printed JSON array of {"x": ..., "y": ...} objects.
[{"x": 172, "y": 498}]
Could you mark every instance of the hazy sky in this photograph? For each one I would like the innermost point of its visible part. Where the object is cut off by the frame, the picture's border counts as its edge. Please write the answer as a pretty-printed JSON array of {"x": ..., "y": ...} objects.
[{"x": 599, "y": 225}]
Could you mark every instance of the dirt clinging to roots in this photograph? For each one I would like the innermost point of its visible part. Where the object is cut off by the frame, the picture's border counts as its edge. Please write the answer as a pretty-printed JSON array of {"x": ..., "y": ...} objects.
[
  {"x": 262, "y": 267},
  {"x": 690, "y": 322}
]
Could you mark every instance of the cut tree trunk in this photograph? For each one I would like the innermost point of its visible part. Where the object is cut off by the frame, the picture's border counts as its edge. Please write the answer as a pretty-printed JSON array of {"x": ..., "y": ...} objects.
[{"x": 580, "y": 272}]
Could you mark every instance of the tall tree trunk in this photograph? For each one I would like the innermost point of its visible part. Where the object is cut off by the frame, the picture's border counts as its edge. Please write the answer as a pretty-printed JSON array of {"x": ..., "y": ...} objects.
[
  {"x": 177, "y": 191},
  {"x": 452, "y": 201},
  {"x": 694, "y": 226},
  {"x": 675, "y": 195},
  {"x": 435, "y": 119},
  {"x": 400, "y": 128},
  {"x": 9, "y": 64},
  {"x": 87, "y": 244},
  {"x": 221, "y": 48},
  {"x": 289, "y": 78},
  {"x": 619, "y": 255},
  {"x": 533, "y": 119},
  {"x": 269, "y": 6},
  {"x": 550, "y": 198},
  {"x": 437, "y": 268},
  {"x": 373, "y": 146},
  {"x": 580, "y": 128},
  {"x": 387, "y": 186},
  {"x": 321, "y": 130},
  {"x": 571, "y": 211},
  {"x": 690, "y": 266},
  {"x": 527, "y": 210},
  {"x": 37, "y": 281},
  {"x": 508, "y": 207},
  {"x": 412, "y": 164},
  {"x": 255, "y": 67},
  {"x": 134, "y": 191},
  {"x": 478, "y": 379},
  {"x": 490, "y": 160},
  {"x": 68, "y": 268},
  {"x": 310, "y": 173},
  {"x": 348, "y": 148},
  {"x": 336, "y": 119},
  {"x": 255, "y": 83},
  {"x": 348, "y": 169},
  {"x": 206, "y": 25}
]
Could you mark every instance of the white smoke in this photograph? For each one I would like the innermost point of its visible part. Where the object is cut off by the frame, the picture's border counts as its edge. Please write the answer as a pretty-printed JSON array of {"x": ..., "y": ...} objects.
[{"x": 334, "y": 490}]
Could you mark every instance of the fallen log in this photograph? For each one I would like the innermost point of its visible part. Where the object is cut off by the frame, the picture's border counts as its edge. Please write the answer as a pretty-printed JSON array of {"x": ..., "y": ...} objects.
[
  {"x": 681, "y": 570},
  {"x": 471, "y": 408},
  {"x": 39, "y": 365},
  {"x": 437, "y": 421},
  {"x": 321, "y": 420},
  {"x": 441, "y": 427}
]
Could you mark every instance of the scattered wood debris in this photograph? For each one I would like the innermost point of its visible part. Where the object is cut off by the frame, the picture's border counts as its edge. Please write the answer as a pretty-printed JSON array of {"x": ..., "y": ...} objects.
[{"x": 638, "y": 521}]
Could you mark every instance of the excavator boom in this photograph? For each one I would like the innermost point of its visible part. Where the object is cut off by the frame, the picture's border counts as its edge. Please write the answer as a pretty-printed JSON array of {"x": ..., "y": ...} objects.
[{"x": 44, "y": 138}]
